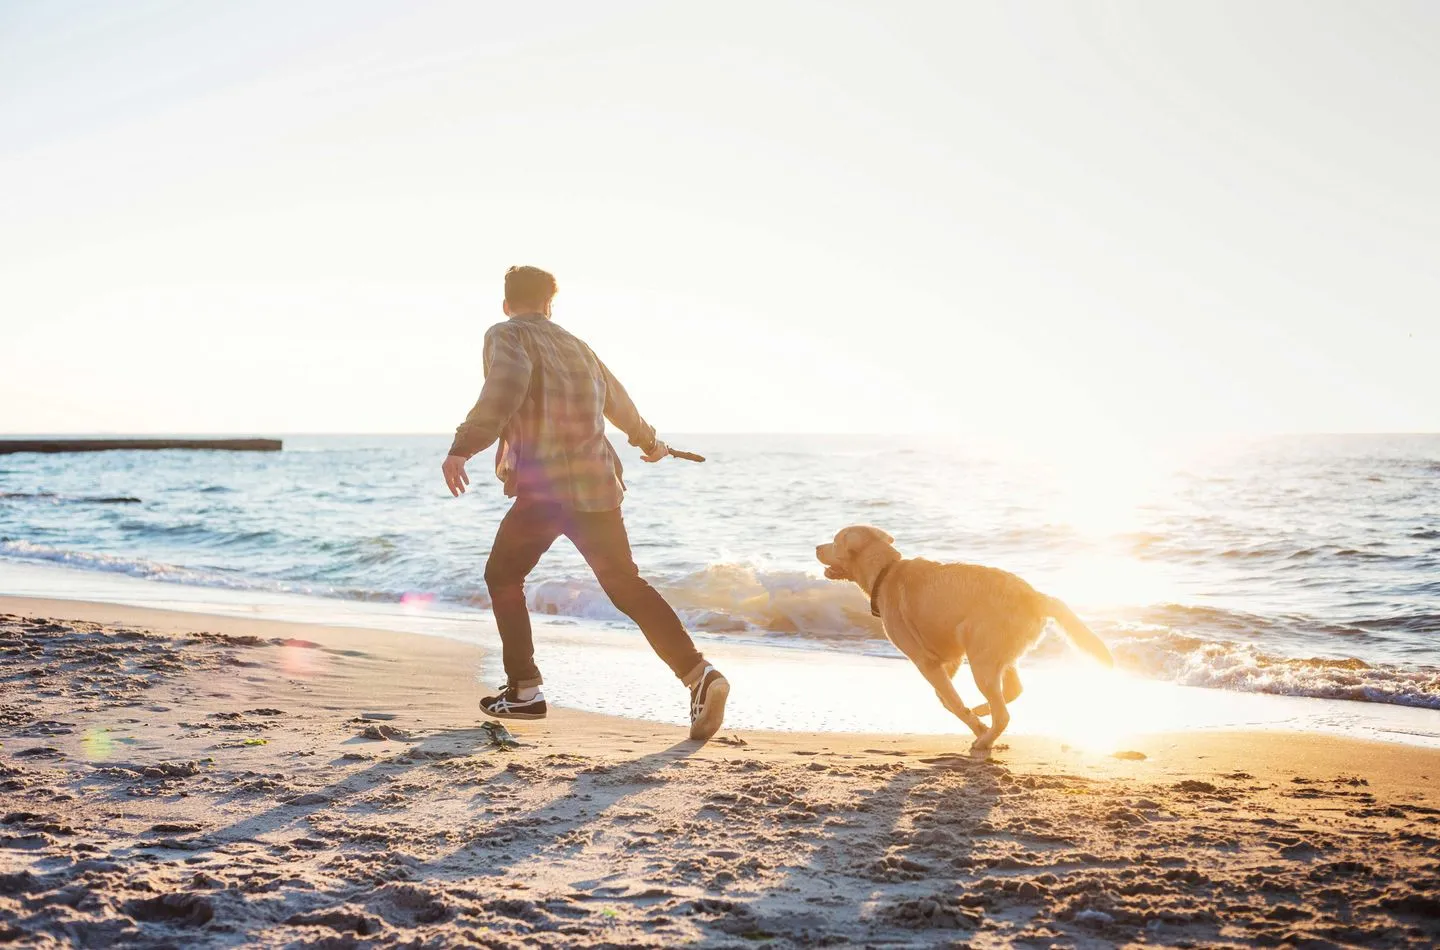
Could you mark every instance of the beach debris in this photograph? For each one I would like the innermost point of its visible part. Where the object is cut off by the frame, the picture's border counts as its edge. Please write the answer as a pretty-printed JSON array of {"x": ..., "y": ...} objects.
[
  {"x": 378, "y": 716},
  {"x": 390, "y": 733},
  {"x": 1129, "y": 755},
  {"x": 730, "y": 740},
  {"x": 499, "y": 736}
]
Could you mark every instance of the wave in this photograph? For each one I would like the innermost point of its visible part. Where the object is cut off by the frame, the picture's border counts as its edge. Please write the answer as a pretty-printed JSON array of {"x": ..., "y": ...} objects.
[
  {"x": 731, "y": 598},
  {"x": 1252, "y": 626},
  {"x": 136, "y": 567},
  {"x": 1185, "y": 644},
  {"x": 1246, "y": 668},
  {"x": 198, "y": 532}
]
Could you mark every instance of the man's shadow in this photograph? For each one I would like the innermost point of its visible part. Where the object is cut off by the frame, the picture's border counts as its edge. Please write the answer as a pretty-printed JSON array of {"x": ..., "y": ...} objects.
[
  {"x": 866, "y": 871},
  {"x": 299, "y": 805},
  {"x": 594, "y": 789}
]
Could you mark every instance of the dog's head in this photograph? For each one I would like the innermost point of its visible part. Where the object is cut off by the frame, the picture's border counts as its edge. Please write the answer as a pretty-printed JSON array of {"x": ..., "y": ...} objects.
[{"x": 850, "y": 543}]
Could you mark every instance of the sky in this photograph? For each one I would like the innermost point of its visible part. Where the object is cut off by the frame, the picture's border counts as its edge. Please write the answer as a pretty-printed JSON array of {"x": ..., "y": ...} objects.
[{"x": 779, "y": 216}]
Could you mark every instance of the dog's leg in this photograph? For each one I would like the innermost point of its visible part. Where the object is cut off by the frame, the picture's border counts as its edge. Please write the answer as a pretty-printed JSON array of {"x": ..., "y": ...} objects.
[
  {"x": 994, "y": 689},
  {"x": 935, "y": 674},
  {"x": 1012, "y": 687}
]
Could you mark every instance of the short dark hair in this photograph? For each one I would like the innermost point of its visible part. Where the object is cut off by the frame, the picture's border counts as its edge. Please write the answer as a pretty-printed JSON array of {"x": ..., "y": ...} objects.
[{"x": 527, "y": 286}]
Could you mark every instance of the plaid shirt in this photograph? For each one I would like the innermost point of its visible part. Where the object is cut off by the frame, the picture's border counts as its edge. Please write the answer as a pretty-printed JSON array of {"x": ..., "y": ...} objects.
[{"x": 546, "y": 399}]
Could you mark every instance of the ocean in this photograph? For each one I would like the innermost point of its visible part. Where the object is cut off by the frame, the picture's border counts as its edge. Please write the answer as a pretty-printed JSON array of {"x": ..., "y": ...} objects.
[{"x": 1299, "y": 566}]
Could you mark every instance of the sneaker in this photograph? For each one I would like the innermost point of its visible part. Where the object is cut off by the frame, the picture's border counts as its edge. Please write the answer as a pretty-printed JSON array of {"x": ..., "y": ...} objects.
[
  {"x": 707, "y": 703},
  {"x": 508, "y": 705}
]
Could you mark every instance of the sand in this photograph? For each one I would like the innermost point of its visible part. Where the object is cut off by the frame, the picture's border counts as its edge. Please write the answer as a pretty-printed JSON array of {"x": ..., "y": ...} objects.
[{"x": 179, "y": 780}]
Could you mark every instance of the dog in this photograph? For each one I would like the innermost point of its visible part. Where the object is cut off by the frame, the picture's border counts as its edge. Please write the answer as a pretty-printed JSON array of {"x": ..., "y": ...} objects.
[{"x": 938, "y": 614}]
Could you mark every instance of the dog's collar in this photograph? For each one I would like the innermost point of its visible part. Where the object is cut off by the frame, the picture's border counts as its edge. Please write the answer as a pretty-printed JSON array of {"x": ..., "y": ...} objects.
[{"x": 875, "y": 588}]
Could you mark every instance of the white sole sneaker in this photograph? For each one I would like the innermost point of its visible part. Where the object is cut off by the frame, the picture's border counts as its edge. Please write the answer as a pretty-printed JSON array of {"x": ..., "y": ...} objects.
[
  {"x": 712, "y": 713},
  {"x": 513, "y": 715},
  {"x": 503, "y": 707}
]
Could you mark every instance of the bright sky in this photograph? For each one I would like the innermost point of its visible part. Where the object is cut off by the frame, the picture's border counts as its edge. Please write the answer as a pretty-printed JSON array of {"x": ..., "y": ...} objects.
[{"x": 766, "y": 216}]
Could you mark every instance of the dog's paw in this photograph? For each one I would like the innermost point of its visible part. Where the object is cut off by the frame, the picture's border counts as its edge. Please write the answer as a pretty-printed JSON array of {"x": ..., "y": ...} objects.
[{"x": 985, "y": 744}]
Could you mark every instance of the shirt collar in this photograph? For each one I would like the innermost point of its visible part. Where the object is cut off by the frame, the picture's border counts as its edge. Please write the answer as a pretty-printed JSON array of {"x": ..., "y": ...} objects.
[{"x": 529, "y": 317}]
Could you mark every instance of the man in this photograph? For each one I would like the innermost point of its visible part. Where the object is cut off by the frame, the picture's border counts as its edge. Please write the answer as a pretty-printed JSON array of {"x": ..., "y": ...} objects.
[{"x": 546, "y": 398}]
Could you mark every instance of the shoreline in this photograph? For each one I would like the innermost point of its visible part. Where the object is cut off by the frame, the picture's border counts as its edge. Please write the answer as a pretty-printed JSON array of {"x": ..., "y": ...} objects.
[
  {"x": 609, "y": 670},
  {"x": 447, "y": 672},
  {"x": 175, "y": 779}
]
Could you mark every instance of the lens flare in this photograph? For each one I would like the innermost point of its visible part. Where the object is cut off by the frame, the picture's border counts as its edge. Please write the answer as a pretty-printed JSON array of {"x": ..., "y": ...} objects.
[
  {"x": 97, "y": 745},
  {"x": 416, "y": 602},
  {"x": 300, "y": 660}
]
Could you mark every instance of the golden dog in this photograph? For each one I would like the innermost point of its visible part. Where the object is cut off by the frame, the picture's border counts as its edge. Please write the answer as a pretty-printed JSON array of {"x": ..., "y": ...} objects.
[{"x": 938, "y": 614}]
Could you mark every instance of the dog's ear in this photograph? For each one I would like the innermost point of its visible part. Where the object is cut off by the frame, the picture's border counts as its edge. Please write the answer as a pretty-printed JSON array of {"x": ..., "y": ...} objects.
[
  {"x": 857, "y": 536},
  {"x": 877, "y": 533}
]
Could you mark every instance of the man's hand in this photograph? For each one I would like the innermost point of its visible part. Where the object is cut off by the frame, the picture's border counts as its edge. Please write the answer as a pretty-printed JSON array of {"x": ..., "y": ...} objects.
[
  {"x": 657, "y": 452},
  {"x": 455, "y": 477}
]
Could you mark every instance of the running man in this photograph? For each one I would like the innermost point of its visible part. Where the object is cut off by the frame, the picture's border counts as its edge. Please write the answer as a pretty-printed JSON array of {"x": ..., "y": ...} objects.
[{"x": 546, "y": 398}]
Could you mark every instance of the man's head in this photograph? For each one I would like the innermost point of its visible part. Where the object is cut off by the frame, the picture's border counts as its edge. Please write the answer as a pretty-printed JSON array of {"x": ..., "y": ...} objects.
[{"x": 528, "y": 290}]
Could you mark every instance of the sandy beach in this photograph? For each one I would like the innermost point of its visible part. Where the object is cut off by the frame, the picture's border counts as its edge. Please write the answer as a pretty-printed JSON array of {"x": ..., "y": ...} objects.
[{"x": 181, "y": 780}]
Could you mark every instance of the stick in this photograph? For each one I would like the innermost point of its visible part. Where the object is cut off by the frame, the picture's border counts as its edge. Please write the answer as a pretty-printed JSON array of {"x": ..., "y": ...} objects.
[{"x": 687, "y": 456}]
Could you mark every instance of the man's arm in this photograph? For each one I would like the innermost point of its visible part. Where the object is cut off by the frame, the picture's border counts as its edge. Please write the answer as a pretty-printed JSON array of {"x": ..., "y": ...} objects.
[
  {"x": 507, "y": 378},
  {"x": 621, "y": 411}
]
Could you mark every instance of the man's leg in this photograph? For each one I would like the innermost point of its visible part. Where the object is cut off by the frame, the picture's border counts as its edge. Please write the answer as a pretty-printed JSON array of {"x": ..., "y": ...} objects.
[
  {"x": 601, "y": 538},
  {"x": 526, "y": 532}
]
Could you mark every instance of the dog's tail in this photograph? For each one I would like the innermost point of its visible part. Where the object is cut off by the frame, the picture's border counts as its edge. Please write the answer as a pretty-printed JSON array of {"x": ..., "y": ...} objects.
[{"x": 1079, "y": 634}]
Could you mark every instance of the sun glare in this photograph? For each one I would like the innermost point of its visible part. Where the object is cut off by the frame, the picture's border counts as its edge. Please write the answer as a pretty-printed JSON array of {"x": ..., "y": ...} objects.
[
  {"x": 1111, "y": 578},
  {"x": 1101, "y": 483},
  {"x": 1093, "y": 711},
  {"x": 1098, "y": 486}
]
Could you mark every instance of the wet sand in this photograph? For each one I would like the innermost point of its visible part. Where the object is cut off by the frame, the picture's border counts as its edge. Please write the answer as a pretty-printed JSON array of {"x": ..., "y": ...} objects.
[{"x": 171, "y": 779}]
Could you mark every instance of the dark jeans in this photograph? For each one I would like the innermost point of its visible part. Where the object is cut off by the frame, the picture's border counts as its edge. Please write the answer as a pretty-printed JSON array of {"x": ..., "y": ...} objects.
[{"x": 527, "y": 531}]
